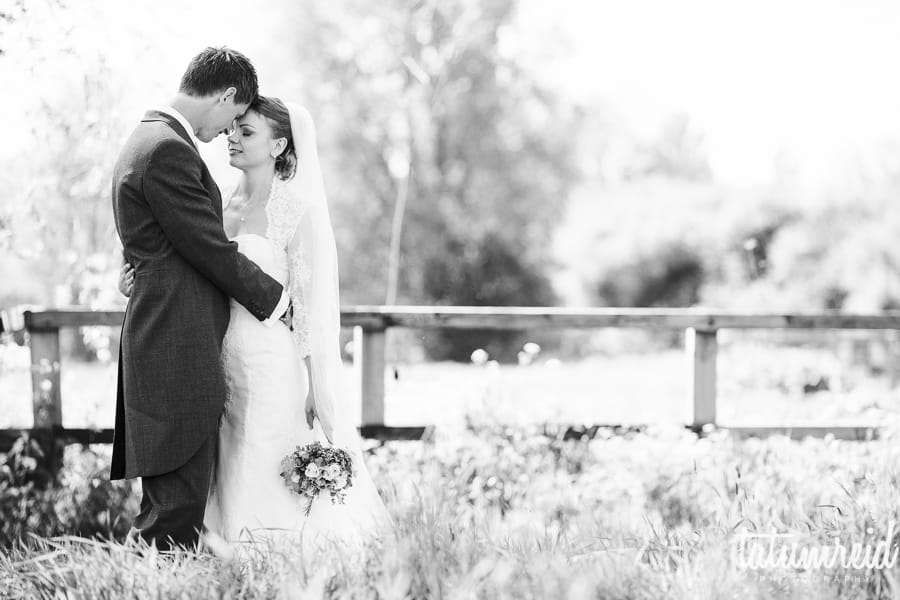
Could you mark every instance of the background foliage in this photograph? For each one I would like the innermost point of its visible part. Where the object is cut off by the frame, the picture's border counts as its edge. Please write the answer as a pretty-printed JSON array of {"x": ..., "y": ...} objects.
[{"x": 457, "y": 173}]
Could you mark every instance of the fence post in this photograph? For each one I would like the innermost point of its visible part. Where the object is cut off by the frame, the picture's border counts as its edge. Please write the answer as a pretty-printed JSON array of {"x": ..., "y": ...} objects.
[
  {"x": 45, "y": 386},
  {"x": 701, "y": 347},
  {"x": 370, "y": 349}
]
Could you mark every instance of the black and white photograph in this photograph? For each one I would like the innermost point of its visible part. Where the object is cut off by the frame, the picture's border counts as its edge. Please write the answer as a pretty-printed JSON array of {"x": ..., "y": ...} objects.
[{"x": 495, "y": 299}]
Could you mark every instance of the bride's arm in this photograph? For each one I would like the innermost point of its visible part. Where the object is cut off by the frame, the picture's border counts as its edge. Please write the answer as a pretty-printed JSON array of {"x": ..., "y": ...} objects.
[
  {"x": 299, "y": 288},
  {"x": 315, "y": 257},
  {"x": 310, "y": 409}
]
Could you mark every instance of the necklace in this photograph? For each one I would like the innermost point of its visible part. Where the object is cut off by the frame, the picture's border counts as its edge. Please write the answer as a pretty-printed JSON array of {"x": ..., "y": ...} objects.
[{"x": 246, "y": 206}]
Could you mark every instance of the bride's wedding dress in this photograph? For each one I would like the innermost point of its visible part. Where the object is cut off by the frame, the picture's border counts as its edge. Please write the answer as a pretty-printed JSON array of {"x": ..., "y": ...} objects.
[
  {"x": 267, "y": 384},
  {"x": 264, "y": 417}
]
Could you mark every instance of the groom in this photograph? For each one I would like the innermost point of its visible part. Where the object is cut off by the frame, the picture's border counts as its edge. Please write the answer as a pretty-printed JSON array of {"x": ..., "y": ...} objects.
[{"x": 168, "y": 213}]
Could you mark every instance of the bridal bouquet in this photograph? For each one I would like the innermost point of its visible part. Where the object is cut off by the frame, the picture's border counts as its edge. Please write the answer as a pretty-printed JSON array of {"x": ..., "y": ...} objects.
[{"x": 314, "y": 468}]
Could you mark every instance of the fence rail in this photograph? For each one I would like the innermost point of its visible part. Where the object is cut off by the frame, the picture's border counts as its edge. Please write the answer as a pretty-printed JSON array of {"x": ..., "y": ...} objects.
[{"x": 371, "y": 324}]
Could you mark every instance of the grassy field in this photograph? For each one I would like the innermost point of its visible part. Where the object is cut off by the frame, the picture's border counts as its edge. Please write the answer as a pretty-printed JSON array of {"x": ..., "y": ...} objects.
[
  {"x": 497, "y": 507},
  {"x": 500, "y": 512}
]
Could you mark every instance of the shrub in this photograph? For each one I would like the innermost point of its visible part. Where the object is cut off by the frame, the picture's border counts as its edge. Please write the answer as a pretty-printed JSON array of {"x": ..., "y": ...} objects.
[
  {"x": 80, "y": 501},
  {"x": 669, "y": 276},
  {"x": 490, "y": 273},
  {"x": 25, "y": 504}
]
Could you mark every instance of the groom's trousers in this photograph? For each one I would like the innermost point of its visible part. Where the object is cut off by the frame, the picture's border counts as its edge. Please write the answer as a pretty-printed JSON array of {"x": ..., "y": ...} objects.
[{"x": 174, "y": 503}]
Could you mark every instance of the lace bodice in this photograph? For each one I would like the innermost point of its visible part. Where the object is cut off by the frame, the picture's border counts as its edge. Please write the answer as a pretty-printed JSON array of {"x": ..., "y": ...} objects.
[{"x": 283, "y": 214}]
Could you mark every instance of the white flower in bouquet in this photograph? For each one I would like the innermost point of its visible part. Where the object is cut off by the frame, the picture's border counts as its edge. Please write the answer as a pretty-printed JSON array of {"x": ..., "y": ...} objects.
[{"x": 312, "y": 470}]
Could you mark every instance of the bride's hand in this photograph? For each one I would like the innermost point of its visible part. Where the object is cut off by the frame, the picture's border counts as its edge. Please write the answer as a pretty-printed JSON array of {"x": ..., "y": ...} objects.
[
  {"x": 311, "y": 415},
  {"x": 126, "y": 279},
  {"x": 310, "y": 408}
]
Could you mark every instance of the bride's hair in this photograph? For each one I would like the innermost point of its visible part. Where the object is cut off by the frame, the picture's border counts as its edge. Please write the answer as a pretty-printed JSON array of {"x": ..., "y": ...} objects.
[{"x": 279, "y": 118}]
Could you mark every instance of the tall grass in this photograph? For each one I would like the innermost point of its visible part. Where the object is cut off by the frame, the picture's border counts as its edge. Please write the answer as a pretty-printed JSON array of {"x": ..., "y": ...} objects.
[{"x": 508, "y": 512}]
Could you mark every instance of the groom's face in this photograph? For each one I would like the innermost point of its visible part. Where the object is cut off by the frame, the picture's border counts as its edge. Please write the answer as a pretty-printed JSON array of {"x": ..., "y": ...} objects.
[{"x": 220, "y": 117}]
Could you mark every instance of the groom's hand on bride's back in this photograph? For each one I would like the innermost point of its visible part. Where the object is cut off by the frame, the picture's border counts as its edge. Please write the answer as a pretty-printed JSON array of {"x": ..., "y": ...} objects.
[{"x": 126, "y": 279}]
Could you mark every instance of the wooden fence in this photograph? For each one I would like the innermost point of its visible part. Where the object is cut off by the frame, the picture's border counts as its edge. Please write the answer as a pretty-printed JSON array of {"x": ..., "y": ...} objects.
[{"x": 371, "y": 324}]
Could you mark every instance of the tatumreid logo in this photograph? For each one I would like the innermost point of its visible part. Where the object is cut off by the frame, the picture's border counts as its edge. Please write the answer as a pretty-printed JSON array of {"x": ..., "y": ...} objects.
[{"x": 774, "y": 550}]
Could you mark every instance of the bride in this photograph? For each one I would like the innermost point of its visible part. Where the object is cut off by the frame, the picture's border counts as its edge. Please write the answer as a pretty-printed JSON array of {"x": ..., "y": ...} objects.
[{"x": 283, "y": 384}]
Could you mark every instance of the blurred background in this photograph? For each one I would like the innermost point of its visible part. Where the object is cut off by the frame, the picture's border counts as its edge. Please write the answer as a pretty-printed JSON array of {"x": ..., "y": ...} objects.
[{"x": 510, "y": 152}]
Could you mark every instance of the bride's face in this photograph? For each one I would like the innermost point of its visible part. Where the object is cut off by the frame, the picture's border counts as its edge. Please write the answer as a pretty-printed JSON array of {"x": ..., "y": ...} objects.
[{"x": 251, "y": 143}]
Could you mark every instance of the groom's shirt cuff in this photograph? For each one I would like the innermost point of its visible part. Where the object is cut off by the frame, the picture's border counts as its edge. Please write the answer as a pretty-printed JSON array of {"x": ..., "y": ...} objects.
[{"x": 279, "y": 310}]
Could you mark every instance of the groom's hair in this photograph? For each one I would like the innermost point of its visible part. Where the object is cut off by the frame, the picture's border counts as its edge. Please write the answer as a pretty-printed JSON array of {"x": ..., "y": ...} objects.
[{"x": 217, "y": 69}]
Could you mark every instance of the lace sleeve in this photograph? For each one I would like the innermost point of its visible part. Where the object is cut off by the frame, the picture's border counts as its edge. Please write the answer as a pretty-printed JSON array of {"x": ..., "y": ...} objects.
[
  {"x": 300, "y": 275},
  {"x": 285, "y": 211},
  {"x": 313, "y": 256}
]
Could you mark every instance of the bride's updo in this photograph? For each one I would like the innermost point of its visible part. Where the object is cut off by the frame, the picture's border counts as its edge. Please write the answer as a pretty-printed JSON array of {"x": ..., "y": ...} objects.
[{"x": 276, "y": 113}]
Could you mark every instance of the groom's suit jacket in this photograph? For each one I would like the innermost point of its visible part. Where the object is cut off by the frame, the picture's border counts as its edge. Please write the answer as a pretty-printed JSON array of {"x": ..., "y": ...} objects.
[{"x": 168, "y": 213}]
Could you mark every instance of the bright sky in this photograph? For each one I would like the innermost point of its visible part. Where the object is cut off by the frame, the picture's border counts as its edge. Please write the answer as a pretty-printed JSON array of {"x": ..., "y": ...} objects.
[{"x": 817, "y": 79}]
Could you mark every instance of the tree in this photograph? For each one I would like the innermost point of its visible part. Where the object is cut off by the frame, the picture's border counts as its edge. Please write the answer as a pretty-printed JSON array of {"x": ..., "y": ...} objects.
[
  {"x": 9, "y": 14},
  {"x": 678, "y": 153},
  {"x": 56, "y": 228},
  {"x": 441, "y": 137},
  {"x": 487, "y": 272},
  {"x": 57, "y": 219}
]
